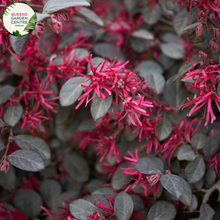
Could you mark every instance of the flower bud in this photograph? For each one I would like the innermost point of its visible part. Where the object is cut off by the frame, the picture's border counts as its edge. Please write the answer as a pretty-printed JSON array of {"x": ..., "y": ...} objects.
[
  {"x": 61, "y": 16},
  {"x": 39, "y": 30},
  {"x": 56, "y": 24},
  {"x": 216, "y": 32},
  {"x": 201, "y": 15},
  {"x": 199, "y": 30},
  {"x": 4, "y": 166},
  {"x": 214, "y": 45}
]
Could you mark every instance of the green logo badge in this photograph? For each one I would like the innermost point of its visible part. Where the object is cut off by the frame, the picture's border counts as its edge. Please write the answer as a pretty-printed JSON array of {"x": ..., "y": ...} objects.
[{"x": 19, "y": 19}]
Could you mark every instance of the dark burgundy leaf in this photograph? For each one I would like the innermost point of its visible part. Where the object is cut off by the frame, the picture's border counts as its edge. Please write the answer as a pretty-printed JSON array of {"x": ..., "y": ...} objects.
[
  {"x": 147, "y": 166},
  {"x": 173, "y": 184},
  {"x": 123, "y": 206}
]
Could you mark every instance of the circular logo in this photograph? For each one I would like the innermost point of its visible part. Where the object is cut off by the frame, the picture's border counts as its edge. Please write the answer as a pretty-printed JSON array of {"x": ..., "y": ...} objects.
[{"x": 19, "y": 19}]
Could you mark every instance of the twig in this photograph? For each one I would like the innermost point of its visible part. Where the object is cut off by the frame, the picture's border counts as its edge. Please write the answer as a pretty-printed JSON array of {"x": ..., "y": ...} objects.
[
  {"x": 7, "y": 147},
  {"x": 210, "y": 191},
  {"x": 155, "y": 98},
  {"x": 199, "y": 190},
  {"x": 166, "y": 21},
  {"x": 191, "y": 212},
  {"x": 212, "y": 22},
  {"x": 166, "y": 28}
]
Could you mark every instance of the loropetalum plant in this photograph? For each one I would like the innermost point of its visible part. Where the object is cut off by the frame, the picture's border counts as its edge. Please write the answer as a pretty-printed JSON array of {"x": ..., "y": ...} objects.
[{"x": 110, "y": 110}]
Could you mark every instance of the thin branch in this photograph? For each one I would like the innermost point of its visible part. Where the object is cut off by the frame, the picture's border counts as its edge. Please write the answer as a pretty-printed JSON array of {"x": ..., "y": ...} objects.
[
  {"x": 7, "y": 147},
  {"x": 215, "y": 25},
  {"x": 191, "y": 212},
  {"x": 166, "y": 28},
  {"x": 210, "y": 191},
  {"x": 199, "y": 190},
  {"x": 166, "y": 21},
  {"x": 155, "y": 98}
]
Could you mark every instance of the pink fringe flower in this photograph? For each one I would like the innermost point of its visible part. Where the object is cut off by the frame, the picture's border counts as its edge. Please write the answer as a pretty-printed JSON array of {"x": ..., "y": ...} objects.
[
  {"x": 215, "y": 161},
  {"x": 107, "y": 147},
  {"x": 204, "y": 81},
  {"x": 63, "y": 212},
  {"x": 148, "y": 182},
  {"x": 180, "y": 135}
]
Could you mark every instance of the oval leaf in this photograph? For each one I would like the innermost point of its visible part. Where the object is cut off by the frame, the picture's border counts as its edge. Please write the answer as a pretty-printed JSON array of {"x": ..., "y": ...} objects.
[
  {"x": 94, "y": 185},
  {"x": 106, "y": 50},
  {"x": 13, "y": 115},
  {"x": 55, "y": 5},
  {"x": 123, "y": 206},
  {"x": 172, "y": 50},
  {"x": 173, "y": 184},
  {"x": 179, "y": 21},
  {"x": 104, "y": 191},
  {"x": 138, "y": 202},
  {"x": 149, "y": 67},
  {"x": 80, "y": 53},
  {"x": 186, "y": 197},
  {"x": 152, "y": 71},
  {"x": 29, "y": 202},
  {"x": 72, "y": 90},
  {"x": 93, "y": 199},
  {"x": 143, "y": 34},
  {"x": 194, "y": 204},
  {"x": 26, "y": 160},
  {"x": 168, "y": 37},
  {"x": 156, "y": 81},
  {"x": 18, "y": 43},
  {"x": 5, "y": 93},
  {"x": 198, "y": 140},
  {"x": 50, "y": 190},
  {"x": 41, "y": 17},
  {"x": 81, "y": 208},
  {"x": 162, "y": 211},
  {"x": 171, "y": 5},
  {"x": 29, "y": 142},
  {"x": 206, "y": 212},
  {"x": 164, "y": 127},
  {"x": 210, "y": 175},
  {"x": 138, "y": 45},
  {"x": 186, "y": 153},
  {"x": 195, "y": 170},
  {"x": 151, "y": 16},
  {"x": 147, "y": 166},
  {"x": 118, "y": 178},
  {"x": 100, "y": 106},
  {"x": 8, "y": 180},
  {"x": 175, "y": 93},
  {"x": 77, "y": 167},
  {"x": 210, "y": 146},
  {"x": 90, "y": 15},
  {"x": 183, "y": 69}
]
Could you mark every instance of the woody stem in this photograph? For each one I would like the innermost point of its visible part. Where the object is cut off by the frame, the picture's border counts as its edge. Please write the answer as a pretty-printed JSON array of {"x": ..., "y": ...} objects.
[
  {"x": 7, "y": 147},
  {"x": 210, "y": 191}
]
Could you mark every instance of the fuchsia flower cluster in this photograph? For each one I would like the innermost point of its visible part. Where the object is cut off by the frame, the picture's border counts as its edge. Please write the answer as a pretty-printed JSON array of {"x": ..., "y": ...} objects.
[{"x": 206, "y": 83}]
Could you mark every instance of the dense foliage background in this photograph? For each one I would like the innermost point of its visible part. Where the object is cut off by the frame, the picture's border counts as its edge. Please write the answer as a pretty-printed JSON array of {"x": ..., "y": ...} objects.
[{"x": 110, "y": 110}]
